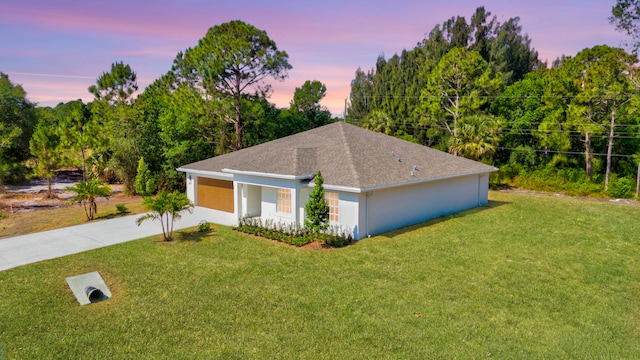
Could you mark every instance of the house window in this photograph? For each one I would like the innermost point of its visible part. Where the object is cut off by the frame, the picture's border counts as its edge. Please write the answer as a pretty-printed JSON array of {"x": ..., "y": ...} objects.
[
  {"x": 332, "y": 201},
  {"x": 284, "y": 201}
]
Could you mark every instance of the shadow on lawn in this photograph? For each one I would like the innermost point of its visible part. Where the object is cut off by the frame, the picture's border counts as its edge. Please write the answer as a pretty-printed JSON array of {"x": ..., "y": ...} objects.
[
  {"x": 112, "y": 216},
  {"x": 121, "y": 210},
  {"x": 192, "y": 235},
  {"x": 492, "y": 204}
]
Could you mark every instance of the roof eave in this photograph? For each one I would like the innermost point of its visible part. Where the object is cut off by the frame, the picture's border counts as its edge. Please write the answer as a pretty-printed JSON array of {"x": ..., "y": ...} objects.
[
  {"x": 269, "y": 175},
  {"x": 339, "y": 188},
  {"x": 405, "y": 183},
  {"x": 422, "y": 181},
  {"x": 207, "y": 173}
]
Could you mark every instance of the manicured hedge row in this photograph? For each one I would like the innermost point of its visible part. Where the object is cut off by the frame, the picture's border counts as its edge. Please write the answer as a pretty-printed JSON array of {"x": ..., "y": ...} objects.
[{"x": 292, "y": 234}]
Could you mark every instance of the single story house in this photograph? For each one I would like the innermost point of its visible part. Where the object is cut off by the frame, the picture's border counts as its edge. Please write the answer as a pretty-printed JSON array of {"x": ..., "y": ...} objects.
[{"x": 373, "y": 182}]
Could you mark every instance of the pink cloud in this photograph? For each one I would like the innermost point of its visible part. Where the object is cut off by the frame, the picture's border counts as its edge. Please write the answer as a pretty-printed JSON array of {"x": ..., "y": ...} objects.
[
  {"x": 155, "y": 52},
  {"x": 326, "y": 40},
  {"x": 83, "y": 19},
  {"x": 49, "y": 91},
  {"x": 43, "y": 75},
  {"x": 337, "y": 79}
]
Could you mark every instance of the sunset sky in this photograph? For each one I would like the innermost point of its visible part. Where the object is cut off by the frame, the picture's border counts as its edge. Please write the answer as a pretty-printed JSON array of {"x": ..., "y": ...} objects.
[{"x": 57, "y": 49}]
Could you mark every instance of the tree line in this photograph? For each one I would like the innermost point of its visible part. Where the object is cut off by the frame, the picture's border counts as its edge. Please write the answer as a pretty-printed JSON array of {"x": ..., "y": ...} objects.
[
  {"x": 473, "y": 88},
  {"x": 212, "y": 101},
  {"x": 477, "y": 89}
]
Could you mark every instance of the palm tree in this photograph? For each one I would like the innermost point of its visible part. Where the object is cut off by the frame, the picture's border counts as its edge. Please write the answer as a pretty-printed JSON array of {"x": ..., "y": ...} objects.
[
  {"x": 86, "y": 194},
  {"x": 166, "y": 207},
  {"x": 477, "y": 136},
  {"x": 379, "y": 121}
]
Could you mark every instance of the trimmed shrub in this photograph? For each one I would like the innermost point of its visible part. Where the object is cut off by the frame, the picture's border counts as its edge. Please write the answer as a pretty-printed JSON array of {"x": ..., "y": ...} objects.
[
  {"x": 292, "y": 234},
  {"x": 121, "y": 208},
  {"x": 204, "y": 226}
]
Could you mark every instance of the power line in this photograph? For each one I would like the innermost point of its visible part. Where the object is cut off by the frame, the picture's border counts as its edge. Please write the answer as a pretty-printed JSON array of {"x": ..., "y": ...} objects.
[
  {"x": 616, "y": 96},
  {"x": 625, "y": 135},
  {"x": 563, "y": 152},
  {"x": 578, "y": 124},
  {"x": 574, "y": 134},
  {"x": 525, "y": 131},
  {"x": 566, "y": 124}
]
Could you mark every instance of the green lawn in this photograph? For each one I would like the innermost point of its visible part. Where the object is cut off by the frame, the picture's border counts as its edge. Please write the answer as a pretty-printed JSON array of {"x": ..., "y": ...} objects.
[{"x": 525, "y": 277}]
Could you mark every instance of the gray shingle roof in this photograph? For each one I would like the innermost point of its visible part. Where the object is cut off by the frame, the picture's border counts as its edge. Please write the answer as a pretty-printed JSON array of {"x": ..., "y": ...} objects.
[{"x": 347, "y": 156}]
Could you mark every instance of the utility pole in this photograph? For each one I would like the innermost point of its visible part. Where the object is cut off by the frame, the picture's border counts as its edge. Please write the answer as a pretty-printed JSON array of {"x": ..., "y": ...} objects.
[{"x": 344, "y": 116}]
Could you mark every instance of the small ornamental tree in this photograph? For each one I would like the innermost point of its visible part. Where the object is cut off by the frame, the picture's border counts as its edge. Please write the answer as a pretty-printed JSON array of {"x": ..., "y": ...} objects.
[
  {"x": 86, "y": 193},
  {"x": 317, "y": 209},
  {"x": 145, "y": 183},
  {"x": 166, "y": 207},
  {"x": 44, "y": 145}
]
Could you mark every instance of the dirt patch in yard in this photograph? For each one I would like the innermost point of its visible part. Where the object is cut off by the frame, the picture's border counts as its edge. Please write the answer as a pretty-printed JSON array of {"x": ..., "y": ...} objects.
[{"x": 33, "y": 195}]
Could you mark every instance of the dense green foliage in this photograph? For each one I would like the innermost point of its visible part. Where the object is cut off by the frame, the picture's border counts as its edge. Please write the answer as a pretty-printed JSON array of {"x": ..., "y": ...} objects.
[
  {"x": 477, "y": 89},
  {"x": 474, "y": 88},
  {"x": 232, "y": 59},
  {"x": 526, "y": 277},
  {"x": 396, "y": 85},
  {"x": 214, "y": 100},
  {"x": 80, "y": 133},
  {"x": 17, "y": 122},
  {"x": 145, "y": 183},
  {"x": 113, "y": 106},
  {"x": 65, "y": 136},
  {"x": 45, "y": 146}
]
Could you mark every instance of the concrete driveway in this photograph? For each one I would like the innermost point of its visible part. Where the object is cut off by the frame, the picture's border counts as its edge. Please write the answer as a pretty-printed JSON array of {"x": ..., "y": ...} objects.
[{"x": 27, "y": 249}]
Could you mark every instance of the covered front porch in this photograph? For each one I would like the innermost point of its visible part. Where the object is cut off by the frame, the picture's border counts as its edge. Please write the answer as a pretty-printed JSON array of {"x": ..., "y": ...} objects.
[
  {"x": 279, "y": 204},
  {"x": 226, "y": 198}
]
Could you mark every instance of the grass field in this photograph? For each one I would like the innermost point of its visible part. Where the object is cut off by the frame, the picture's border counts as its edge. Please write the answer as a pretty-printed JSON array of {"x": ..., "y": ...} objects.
[{"x": 525, "y": 277}]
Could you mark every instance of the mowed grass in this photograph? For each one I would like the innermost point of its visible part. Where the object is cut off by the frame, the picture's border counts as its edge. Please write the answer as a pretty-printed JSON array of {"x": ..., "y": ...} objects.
[{"x": 525, "y": 277}]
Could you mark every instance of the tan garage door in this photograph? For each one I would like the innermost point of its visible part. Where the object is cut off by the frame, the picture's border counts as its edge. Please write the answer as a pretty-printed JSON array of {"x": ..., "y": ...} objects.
[{"x": 215, "y": 194}]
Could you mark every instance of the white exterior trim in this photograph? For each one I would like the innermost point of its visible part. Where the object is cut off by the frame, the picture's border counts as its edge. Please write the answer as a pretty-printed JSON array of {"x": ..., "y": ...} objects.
[
  {"x": 207, "y": 174},
  {"x": 422, "y": 181},
  {"x": 269, "y": 175},
  {"x": 338, "y": 188},
  {"x": 389, "y": 186},
  {"x": 363, "y": 212}
]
